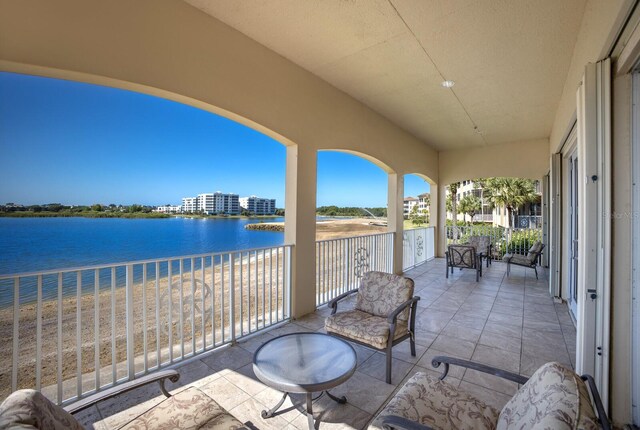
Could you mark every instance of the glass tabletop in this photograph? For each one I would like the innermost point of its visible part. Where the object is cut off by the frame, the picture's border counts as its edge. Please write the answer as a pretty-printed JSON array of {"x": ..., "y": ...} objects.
[{"x": 304, "y": 362}]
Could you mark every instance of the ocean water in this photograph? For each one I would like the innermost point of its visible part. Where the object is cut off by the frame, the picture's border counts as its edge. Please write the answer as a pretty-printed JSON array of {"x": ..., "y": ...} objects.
[
  {"x": 37, "y": 244},
  {"x": 33, "y": 244}
]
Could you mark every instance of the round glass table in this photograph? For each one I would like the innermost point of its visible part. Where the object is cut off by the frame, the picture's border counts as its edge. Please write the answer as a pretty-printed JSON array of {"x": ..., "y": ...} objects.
[{"x": 304, "y": 363}]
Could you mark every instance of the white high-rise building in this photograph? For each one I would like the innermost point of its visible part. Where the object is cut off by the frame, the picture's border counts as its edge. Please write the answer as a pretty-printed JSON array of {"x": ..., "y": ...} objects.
[
  {"x": 212, "y": 203},
  {"x": 226, "y": 203},
  {"x": 206, "y": 203},
  {"x": 258, "y": 205},
  {"x": 189, "y": 204}
]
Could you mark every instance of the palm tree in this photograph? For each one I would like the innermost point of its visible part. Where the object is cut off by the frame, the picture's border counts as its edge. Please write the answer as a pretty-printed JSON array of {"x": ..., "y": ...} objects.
[
  {"x": 453, "y": 192},
  {"x": 470, "y": 205},
  {"x": 510, "y": 193}
]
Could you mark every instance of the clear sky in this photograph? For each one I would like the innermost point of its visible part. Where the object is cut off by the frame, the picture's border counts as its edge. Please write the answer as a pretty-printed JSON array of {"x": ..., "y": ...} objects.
[{"x": 74, "y": 143}]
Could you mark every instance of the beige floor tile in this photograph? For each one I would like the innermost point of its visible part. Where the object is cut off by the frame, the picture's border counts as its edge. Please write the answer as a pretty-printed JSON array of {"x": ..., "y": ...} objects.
[
  {"x": 290, "y": 409},
  {"x": 459, "y": 331},
  {"x": 499, "y": 358},
  {"x": 256, "y": 342},
  {"x": 195, "y": 373},
  {"x": 248, "y": 412},
  {"x": 364, "y": 392},
  {"x": 225, "y": 393},
  {"x": 333, "y": 416},
  {"x": 503, "y": 329},
  {"x": 229, "y": 358},
  {"x": 508, "y": 343},
  {"x": 500, "y": 318},
  {"x": 402, "y": 351},
  {"x": 375, "y": 366},
  {"x": 246, "y": 380},
  {"x": 454, "y": 346},
  {"x": 425, "y": 362},
  {"x": 90, "y": 419}
]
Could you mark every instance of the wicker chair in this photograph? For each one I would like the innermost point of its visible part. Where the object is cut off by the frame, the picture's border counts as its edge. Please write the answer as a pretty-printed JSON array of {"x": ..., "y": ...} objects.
[
  {"x": 463, "y": 257},
  {"x": 384, "y": 315}
]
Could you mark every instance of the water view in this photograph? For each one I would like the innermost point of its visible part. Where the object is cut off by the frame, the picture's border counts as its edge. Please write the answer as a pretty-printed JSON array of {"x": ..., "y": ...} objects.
[{"x": 33, "y": 244}]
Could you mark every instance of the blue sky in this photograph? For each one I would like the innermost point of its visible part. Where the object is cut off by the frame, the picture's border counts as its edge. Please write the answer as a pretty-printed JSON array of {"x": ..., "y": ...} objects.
[{"x": 76, "y": 143}]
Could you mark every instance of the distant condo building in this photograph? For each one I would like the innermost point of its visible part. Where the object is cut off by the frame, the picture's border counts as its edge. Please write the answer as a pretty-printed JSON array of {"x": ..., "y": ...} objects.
[
  {"x": 258, "y": 205},
  {"x": 169, "y": 209},
  {"x": 212, "y": 203},
  {"x": 189, "y": 204}
]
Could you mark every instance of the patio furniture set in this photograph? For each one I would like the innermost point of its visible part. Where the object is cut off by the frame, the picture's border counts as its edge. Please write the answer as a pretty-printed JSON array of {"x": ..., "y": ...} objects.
[
  {"x": 470, "y": 255},
  {"x": 307, "y": 363}
]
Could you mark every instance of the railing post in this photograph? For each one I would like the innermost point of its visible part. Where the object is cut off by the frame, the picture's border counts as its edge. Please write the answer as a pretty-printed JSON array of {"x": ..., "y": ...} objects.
[
  {"x": 232, "y": 295},
  {"x": 287, "y": 282},
  {"x": 130, "y": 323}
]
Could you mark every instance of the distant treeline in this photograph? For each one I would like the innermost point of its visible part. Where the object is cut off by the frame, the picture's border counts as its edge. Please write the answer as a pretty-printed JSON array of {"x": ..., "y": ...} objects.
[
  {"x": 93, "y": 211},
  {"x": 351, "y": 211},
  {"x": 86, "y": 214}
]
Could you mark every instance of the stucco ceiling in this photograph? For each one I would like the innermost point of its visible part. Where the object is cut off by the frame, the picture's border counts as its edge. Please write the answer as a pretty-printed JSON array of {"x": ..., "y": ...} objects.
[{"x": 508, "y": 58}]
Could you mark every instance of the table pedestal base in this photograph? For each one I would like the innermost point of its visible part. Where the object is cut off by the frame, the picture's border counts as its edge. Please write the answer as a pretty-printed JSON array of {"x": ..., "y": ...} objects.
[{"x": 271, "y": 412}]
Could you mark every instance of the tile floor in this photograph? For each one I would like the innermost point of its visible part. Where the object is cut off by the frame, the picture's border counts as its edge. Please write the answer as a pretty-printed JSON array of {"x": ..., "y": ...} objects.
[{"x": 510, "y": 323}]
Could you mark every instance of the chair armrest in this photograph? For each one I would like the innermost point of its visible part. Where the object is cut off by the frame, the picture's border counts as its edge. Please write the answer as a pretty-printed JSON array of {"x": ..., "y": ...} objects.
[
  {"x": 391, "y": 319},
  {"x": 602, "y": 414},
  {"x": 476, "y": 366},
  {"x": 333, "y": 303},
  {"x": 395, "y": 422},
  {"x": 160, "y": 377}
]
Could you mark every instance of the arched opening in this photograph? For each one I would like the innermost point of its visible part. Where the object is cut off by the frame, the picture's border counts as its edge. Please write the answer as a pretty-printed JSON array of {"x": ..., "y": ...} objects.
[
  {"x": 418, "y": 238},
  {"x": 87, "y": 169},
  {"x": 352, "y": 229}
]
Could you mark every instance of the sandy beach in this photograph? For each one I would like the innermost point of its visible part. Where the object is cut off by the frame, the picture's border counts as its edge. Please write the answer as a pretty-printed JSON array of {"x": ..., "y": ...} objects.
[{"x": 205, "y": 299}]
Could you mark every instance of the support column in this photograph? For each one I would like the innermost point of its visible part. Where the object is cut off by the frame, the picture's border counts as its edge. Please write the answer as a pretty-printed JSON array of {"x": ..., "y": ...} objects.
[
  {"x": 441, "y": 226},
  {"x": 395, "y": 217},
  {"x": 300, "y": 227},
  {"x": 434, "y": 204}
]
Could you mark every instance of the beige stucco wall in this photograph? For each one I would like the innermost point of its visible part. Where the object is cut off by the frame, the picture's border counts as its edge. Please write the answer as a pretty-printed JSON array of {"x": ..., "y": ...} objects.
[
  {"x": 172, "y": 48},
  {"x": 601, "y": 23},
  {"x": 518, "y": 159}
]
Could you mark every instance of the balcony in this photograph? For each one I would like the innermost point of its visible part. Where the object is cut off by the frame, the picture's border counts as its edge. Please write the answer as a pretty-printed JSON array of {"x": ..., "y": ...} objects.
[{"x": 510, "y": 323}]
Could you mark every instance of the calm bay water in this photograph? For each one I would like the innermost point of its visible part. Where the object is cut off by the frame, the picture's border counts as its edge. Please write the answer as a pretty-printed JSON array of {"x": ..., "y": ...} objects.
[{"x": 32, "y": 244}]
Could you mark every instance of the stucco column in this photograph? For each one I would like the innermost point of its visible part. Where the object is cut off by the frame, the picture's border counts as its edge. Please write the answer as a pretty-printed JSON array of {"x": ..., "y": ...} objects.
[
  {"x": 434, "y": 203},
  {"x": 395, "y": 217},
  {"x": 441, "y": 226},
  {"x": 300, "y": 227}
]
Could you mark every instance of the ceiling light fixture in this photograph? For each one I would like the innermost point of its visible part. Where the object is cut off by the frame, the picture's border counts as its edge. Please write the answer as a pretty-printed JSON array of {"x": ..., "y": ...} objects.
[{"x": 447, "y": 84}]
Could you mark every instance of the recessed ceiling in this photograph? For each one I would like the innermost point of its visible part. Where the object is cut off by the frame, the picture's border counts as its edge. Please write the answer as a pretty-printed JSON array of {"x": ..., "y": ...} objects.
[{"x": 509, "y": 59}]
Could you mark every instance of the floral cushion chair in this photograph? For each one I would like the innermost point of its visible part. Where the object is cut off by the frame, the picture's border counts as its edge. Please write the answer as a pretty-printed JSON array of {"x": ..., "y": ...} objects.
[
  {"x": 463, "y": 257},
  {"x": 384, "y": 314},
  {"x": 529, "y": 260},
  {"x": 190, "y": 409},
  {"x": 553, "y": 398}
]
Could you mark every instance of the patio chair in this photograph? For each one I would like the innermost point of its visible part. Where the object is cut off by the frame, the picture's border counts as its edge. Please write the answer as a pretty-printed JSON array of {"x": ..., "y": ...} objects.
[
  {"x": 190, "y": 408},
  {"x": 529, "y": 260},
  {"x": 464, "y": 257},
  {"x": 384, "y": 314},
  {"x": 554, "y": 397},
  {"x": 483, "y": 246}
]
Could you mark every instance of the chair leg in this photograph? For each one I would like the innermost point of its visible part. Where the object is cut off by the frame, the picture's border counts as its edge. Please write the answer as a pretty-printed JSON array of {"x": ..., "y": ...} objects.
[
  {"x": 413, "y": 345},
  {"x": 447, "y": 272},
  {"x": 536, "y": 269},
  {"x": 388, "y": 365}
]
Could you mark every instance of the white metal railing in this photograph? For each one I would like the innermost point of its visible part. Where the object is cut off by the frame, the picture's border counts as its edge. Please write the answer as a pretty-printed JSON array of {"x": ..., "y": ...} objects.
[
  {"x": 72, "y": 332},
  {"x": 418, "y": 246},
  {"x": 340, "y": 263},
  {"x": 503, "y": 240}
]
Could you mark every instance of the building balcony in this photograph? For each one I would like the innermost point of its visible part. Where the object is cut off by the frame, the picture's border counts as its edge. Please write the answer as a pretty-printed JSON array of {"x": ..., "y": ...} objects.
[{"x": 506, "y": 322}]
